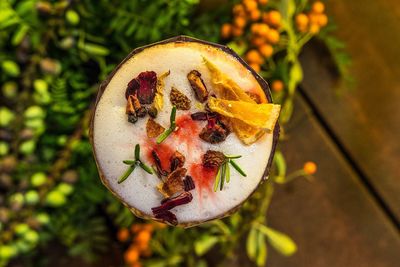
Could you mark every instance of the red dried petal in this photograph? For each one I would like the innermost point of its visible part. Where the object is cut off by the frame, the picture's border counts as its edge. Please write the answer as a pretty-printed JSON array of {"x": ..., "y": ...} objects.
[
  {"x": 167, "y": 216},
  {"x": 144, "y": 86},
  {"x": 171, "y": 203}
]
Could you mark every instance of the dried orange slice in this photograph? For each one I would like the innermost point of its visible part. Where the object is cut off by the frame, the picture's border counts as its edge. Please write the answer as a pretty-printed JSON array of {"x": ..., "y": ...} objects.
[{"x": 260, "y": 116}]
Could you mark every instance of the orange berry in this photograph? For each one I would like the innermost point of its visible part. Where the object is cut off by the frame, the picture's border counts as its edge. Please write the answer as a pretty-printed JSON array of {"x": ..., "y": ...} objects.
[
  {"x": 254, "y": 28},
  {"x": 131, "y": 255},
  {"x": 272, "y": 36},
  {"x": 274, "y": 18},
  {"x": 313, "y": 18},
  {"x": 263, "y": 30},
  {"x": 143, "y": 237},
  {"x": 250, "y": 5},
  {"x": 135, "y": 228},
  {"x": 266, "y": 50},
  {"x": 239, "y": 22},
  {"x": 253, "y": 56},
  {"x": 255, "y": 15},
  {"x": 263, "y": 2},
  {"x": 322, "y": 20},
  {"x": 148, "y": 227},
  {"x": 301, "y": 20},
  {"x": 257, "y": 41},
  {"x": 123, "y": 234},
  {"x": 318, "y": 7},
  {"x": 255, "y": 67},
  {"x": 226, "y": 30},
  {"x": 314, "y": 28},
  {"x": 236, "y": 32},
  {"x": 238, "y": 10},
  {"x": 310, "y": 167},
  {"x": 277, "y": 85}
]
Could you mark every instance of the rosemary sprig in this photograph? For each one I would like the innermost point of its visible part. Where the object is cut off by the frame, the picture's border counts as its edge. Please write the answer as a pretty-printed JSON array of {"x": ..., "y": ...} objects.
[
  {"x": 132, "y": 165},
  {"x": 171, "y": 128},
  {"x": 224, "y": 172}
]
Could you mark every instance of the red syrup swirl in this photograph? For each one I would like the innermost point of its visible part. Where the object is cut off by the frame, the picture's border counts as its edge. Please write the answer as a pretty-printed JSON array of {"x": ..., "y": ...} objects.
[{"x": 203, "y": 177}]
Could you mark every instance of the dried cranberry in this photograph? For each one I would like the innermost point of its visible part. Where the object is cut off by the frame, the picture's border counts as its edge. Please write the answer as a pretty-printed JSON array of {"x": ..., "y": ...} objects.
[
  {"x": 157, "y": 160},
  {"x": 144, "y": 85}
]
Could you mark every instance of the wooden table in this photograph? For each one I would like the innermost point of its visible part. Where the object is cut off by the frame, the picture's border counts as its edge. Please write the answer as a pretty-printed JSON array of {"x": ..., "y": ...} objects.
[{"x": 350, "y": 214}]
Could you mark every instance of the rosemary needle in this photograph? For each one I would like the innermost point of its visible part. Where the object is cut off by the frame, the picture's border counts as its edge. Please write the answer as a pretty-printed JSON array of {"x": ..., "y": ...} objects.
[
  {"x": 132, "y": 165},
  {"x": 234, "y": 165},
  {"x": 171, "y": 128}
]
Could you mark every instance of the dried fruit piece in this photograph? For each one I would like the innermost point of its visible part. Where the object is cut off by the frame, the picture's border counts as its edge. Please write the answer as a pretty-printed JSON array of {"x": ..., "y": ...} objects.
[
  {"x": 256, "y": 97},
  {"x": 152, "y": 112},
  {"x": 158, "y": 99},
  {"x": 167, "y": 216},
  {"x": 215, "y": 131},
  {"x": 157, "y": 160},
  {"x": 198, "y": 86},
  {"x": 174, "y": 183},
  {"x": 171, "y": 203},
  {"x": 177, "y": 160},
  {"x": 213, "y": 159},
  {"x": 188, "y": 183},
  {"x": 262, "y": 116},
  {"x": 153, "y": 129},
  {"x": 179, "y": 100},
  {"x": 144, "y": 86}
]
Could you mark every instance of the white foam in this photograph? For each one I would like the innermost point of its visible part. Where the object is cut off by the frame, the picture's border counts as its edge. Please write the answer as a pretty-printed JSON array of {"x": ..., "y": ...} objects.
[{"x": 115, "y": 138}]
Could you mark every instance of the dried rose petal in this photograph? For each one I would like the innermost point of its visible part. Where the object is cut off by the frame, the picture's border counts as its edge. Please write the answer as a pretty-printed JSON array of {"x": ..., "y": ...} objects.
[
  {"x": 157, "y": 160},
  {"x": 177, "y": 160},
  {"x": 188, "y": 183},
  {"x": 144, "y": 86},
  {"x": 213, "y": 159},
  {"x": 171, "y": 203},
  {"x": 174, "y": 183},
  {"x": 167, "y": 216}
]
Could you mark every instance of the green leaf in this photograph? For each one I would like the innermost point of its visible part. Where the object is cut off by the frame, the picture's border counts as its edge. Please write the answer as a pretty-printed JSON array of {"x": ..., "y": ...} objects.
[
  {"x": 295, "y": 77},
  {"x": 19, "y": 34},
  {"x": 286, "y": 111},
  {"x": 94, "y": 49},
  {"x": 126, "y": 174},
  {"x": 262, "y": 249},
  {"x": 251, "y": 244},
  {"x": 137, "y": 152},
  {"x": 280, "y": 241},
  {"x": 204, "y": 244},
  {"x": 280, "y": 163}
]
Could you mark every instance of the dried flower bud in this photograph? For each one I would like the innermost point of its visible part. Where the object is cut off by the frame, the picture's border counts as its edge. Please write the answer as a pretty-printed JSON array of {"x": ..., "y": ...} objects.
[
  {"x": 198, "y": 85},
  {"x": 144, "y": 86},
  {"x": 179, "y": 100},
  {"x": 152, "y": 112},
  {"x": 213, "y": 159}
]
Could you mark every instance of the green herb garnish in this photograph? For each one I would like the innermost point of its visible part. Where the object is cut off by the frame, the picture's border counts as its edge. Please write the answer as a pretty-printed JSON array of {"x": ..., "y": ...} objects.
[
  {"x": 224, "y": 172},
  {"x": 171, "y": 128},
  {"x": 132, "y": 165}
]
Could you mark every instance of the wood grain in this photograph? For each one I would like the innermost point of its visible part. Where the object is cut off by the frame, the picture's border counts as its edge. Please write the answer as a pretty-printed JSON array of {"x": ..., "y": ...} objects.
[
  {"x": 333, "y": 219},
  {"x": 365, "y": 118}
]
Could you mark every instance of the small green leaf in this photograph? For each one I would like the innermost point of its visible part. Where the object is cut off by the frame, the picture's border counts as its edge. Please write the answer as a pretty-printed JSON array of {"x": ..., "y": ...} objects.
[
  {"x": 251, "y": 244},
  {"x": 126, "y": 174},
  {"x": 19, "y": 34},
  {"x": 137, "y": 152},
  {"x": 280, "y": 241},
  {"x": 145, "y": 168},
  {"x": 262, "y": 249},
  {"x": 217, "y": 180},
  {"x": 280, "y": 163},
  {"x": 129, "y": 162},
  {"x": 204, "y": 244},
  {"x": 236, "y": 166},
  {"x": 94, "y": 49}
]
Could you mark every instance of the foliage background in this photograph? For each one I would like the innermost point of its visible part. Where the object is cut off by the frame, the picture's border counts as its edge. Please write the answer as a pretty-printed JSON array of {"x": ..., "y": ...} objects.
[{"x": 53, "y": 54}]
